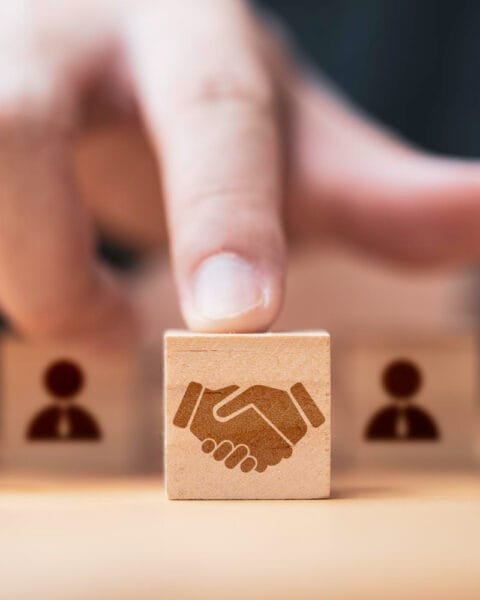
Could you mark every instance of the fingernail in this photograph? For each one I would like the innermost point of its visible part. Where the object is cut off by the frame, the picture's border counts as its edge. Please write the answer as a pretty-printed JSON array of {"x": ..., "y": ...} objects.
[{"x": 225, "y": 286}]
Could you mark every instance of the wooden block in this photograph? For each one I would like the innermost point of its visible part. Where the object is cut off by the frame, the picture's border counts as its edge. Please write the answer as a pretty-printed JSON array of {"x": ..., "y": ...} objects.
[
  {"x": 414, "y": 400},
  {"x": 66, "y": 409},
  {"x": 247, "y": 415}
]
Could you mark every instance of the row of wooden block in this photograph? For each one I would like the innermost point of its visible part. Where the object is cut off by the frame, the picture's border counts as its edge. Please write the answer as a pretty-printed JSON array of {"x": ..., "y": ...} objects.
[
  {"x": 407, "y": 401},
  {"x": 247, "y": 415}
]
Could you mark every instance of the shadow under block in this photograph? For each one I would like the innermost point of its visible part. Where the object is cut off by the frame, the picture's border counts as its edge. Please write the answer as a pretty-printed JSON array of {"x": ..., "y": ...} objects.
[
  {"x": 65, "y": 409},
  {"x": 247, "y": 415},
  {"x": 413, "y": 399}
]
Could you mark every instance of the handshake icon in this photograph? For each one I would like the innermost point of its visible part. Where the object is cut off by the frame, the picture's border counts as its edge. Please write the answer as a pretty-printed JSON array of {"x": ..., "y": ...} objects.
[{"x": 255, "y": 428}]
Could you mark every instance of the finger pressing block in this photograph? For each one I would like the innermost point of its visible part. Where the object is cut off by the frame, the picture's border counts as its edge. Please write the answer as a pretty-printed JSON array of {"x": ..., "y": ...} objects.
[{"x": 247, "y": 415}]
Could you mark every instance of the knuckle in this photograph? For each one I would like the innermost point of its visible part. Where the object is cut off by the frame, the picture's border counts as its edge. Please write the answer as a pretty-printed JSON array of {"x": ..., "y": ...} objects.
[
  {"x": 226, "y": 88},
  {"x": 80, "y": 312},
  {"x": 227, "y": 222},
  {"x": 23, "y": 115},
  {"x": 246, "y": 200},
  {"x": 50, "y": 321},
  {"x": 249, "y": 91},
  {"x": 21, "y": 123},
  {"x": 32, "y": 103},
  {"x": 208, "y": 198}
]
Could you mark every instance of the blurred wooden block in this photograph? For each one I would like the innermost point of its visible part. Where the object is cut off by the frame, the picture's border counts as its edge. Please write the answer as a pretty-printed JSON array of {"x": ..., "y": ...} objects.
[
  {"x": 66, "y": 409},
  {"x": 247, "y": 415},
  {"x": 414, "y": 400}
]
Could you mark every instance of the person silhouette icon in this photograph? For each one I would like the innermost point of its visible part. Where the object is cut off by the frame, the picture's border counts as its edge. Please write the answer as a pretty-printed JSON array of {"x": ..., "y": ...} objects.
[
  {"x": 403, "y": 421},
  {"x": 63, "y": 421}
]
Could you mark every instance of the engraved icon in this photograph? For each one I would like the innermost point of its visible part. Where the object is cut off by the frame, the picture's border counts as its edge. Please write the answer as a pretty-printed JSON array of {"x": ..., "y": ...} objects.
[
  {"x": 63, "y": 421},
  {"x": 402, "y": 421},
  {"x": 254, "y": 428}
]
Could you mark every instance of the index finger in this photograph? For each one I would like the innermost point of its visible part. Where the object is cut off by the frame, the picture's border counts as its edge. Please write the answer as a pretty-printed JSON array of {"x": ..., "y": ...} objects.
[{"x": 209, "y": 104}]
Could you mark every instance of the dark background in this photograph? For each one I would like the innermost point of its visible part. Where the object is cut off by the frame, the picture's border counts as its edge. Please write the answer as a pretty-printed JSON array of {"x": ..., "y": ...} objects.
[{"x": 412, "y": 64}]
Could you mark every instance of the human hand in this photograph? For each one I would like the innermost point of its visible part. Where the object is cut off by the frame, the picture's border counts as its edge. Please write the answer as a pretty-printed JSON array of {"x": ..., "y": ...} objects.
[
  {"x": 247, "y": 146},
  {"x": 256, "y": 428}
]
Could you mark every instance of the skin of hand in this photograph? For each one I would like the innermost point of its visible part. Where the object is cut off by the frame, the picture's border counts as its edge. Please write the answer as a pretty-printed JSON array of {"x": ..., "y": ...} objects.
[{"x": 247, "y": 147}]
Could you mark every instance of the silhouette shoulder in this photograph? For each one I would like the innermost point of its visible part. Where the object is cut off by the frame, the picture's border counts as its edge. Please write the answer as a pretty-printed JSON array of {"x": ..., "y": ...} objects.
[
  {"x": 422, "y": 425},
  {"x": 44, "y": 425},
  {"x": 83, "y": 424},
  {"x": 382, "y": 424}
]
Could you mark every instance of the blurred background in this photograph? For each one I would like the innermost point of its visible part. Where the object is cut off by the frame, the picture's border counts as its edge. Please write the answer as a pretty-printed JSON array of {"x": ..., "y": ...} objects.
[{"x": 413, "y": 66}]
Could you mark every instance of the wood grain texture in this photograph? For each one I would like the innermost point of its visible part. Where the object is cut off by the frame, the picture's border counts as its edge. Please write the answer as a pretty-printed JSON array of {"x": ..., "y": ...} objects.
[{"x": 247, "y": 415}]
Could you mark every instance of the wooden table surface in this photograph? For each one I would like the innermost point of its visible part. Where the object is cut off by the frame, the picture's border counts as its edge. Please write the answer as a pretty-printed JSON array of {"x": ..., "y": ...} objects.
[{"x": 382, "y": 535}]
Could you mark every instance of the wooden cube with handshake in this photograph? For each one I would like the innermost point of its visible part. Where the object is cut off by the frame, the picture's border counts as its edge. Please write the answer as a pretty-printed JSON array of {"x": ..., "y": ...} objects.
[{"x": 247, "y": 415}]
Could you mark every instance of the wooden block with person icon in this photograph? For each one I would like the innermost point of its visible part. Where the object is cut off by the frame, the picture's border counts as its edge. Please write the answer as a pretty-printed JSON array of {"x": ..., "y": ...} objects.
[
  {"x": 67, "y": 409},
  {"x": 247, "y": 415},
  {"x": 413, "y": 399}
]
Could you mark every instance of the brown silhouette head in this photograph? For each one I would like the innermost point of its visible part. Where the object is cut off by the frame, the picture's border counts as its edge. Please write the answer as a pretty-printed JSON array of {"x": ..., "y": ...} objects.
[
  {"x": 64, "y": 379},
  {"x": 401, "y": 379}
]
